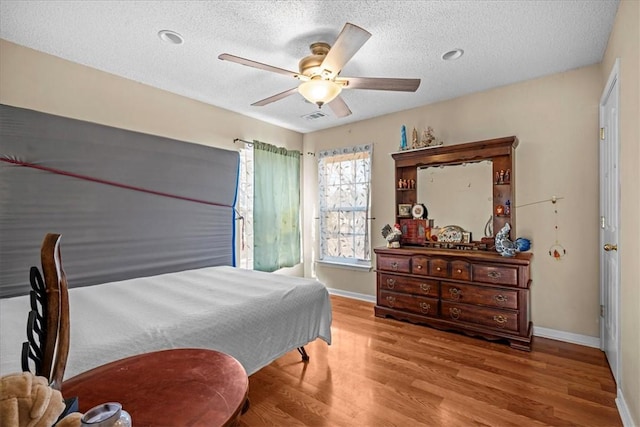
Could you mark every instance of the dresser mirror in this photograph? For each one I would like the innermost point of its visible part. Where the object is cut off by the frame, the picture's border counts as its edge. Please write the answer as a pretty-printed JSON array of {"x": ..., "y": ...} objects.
[
  {"x": 465, "y": 185},
  {"x": 459, "y": 195}
]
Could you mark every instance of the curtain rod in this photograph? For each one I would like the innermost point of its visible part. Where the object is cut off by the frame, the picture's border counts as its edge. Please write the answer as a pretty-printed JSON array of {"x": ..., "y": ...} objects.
[
  {"x": 251, "y": 143},
  {"x": 242, "y": 140}
]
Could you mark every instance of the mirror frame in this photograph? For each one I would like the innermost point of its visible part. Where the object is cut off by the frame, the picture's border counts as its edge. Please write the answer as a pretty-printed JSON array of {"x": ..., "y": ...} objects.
[{"x": 500, "y": 151}]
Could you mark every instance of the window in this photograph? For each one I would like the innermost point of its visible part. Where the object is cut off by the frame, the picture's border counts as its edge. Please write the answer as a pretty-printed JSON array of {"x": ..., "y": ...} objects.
[
  {"x": 244, "y": 206},
  {"x": 344, "y": 178}
]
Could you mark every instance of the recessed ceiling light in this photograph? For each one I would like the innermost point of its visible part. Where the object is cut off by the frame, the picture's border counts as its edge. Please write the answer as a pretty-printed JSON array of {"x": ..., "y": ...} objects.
[
  {"x": 170, "y": 37},
  {"x": 452, "y": 55}
]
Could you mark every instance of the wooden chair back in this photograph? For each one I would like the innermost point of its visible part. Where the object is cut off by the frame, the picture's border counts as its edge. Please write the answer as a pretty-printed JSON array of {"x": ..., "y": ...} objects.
[{"x": 48, "y": 322}]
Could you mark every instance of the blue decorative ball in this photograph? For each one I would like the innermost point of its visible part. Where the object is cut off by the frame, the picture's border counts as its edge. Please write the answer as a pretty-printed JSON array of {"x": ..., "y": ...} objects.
[{"x": 523, "y": 244}]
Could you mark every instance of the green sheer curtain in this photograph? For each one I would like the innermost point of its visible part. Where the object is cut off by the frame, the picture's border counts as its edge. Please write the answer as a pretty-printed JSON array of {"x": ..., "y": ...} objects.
[{"x": 276, "y": 207}]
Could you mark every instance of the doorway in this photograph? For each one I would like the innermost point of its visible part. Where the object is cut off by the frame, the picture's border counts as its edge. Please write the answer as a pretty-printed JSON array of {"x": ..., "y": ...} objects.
[{"x": 609, "y": 143}]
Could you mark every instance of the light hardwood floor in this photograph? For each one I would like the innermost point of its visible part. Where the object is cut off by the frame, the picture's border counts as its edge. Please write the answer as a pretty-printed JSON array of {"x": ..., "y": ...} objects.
[{"x": 382, "y": 372}]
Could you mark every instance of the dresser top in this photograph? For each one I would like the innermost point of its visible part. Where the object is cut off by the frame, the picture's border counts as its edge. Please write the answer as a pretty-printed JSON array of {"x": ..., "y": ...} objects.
[{"x": 486, "y": 256}]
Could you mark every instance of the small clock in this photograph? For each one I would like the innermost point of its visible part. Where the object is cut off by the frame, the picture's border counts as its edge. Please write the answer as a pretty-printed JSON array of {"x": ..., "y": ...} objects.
[{"x": 419, "y": 211}]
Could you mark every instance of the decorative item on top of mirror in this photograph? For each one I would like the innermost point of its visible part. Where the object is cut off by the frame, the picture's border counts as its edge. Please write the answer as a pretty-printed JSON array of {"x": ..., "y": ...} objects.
[
  {"x": 403, "y": 138},
  {"x": 428, "y": 138},
  {"x": 414, "y": 139},
  {"x": 404, "y": 209},
  {"x": 392, "y": 235}
]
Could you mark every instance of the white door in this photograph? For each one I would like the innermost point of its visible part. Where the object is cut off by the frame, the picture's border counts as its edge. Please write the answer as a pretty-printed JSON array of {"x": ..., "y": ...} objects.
[{"x": 609, "y": 222}]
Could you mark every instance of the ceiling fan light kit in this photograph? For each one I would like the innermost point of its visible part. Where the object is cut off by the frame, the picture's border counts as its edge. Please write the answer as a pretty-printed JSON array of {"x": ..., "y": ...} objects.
[
  {"x": 319, "y": 91},
  {"x": 319, "y": 72}
]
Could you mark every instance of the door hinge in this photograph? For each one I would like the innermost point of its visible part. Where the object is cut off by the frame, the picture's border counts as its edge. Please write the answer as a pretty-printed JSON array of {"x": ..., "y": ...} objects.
[
  {"x": 601, "y": 310},
  {"x": 602, "y": 221},
  {"x": 602, "y": 134}
]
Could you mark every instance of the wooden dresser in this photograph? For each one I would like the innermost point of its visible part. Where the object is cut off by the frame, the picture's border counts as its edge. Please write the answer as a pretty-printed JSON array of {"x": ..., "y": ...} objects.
[{"x": 480, "y": 293}]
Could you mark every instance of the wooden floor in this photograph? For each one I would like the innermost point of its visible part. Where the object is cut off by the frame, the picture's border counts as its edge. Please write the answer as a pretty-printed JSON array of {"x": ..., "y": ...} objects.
[{"x": 382, "y": 372}]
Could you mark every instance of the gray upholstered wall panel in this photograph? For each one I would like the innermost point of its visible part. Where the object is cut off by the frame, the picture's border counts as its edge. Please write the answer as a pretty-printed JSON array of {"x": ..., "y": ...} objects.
[{"x": 109, "y": 232}]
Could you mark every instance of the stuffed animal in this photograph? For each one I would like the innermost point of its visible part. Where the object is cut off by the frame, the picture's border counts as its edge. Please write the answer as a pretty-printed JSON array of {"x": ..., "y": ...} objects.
[{"x": 26, "y": 400}]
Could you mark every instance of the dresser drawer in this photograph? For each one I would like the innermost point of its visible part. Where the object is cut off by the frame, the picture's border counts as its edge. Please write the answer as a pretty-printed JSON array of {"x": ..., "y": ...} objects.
[
  {"x": 460, "y": 270},
  {"x": 499, "y": 275},
  {"x": 470, "y": 294},
  {"x": 438, "y": 267},
  {"x": 409, "y": 285},
  {"x": 410, "y": 303},
  {"x": 398, "y": 264},
  {"x": 491, "y": 317},
  {"x": 420, "y": 265}
]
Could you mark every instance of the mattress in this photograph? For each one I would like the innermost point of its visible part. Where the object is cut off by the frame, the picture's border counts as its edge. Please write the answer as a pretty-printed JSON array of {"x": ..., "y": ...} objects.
[{"x": 254, "y": 316}]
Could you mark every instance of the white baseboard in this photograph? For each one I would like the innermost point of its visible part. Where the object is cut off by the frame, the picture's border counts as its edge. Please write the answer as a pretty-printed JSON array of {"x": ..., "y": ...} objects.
[
  {"x": 352, "y": 295},
  {"x": 570, "y": 337},
  {"x": 623, "y": 410}
]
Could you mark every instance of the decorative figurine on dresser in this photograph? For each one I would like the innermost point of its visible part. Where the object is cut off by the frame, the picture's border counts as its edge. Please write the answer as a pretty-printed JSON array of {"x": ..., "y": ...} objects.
[{"x": 453, "y": 284}]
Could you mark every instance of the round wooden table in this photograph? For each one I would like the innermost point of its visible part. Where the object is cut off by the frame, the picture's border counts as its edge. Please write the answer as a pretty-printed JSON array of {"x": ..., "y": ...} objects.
[{"x": 179, "y": 387}]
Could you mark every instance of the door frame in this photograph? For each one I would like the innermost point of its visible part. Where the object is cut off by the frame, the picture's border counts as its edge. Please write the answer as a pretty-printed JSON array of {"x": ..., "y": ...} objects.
[{"x": 613, "y": 83}]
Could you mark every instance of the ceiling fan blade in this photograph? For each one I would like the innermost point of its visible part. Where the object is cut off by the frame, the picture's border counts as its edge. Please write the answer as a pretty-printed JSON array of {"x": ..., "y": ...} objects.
[
  {"x": 274, "y": 98},
  {"x": 339, "y": 107},
  {"x": 381, "y": 83},
  {"x": 349, "y": 41},
  {"x": 255, "y": 64}
]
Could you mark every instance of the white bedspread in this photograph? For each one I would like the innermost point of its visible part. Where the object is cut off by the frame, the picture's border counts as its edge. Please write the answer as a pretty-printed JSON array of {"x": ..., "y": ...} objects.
[{"x": 254, "y": 316}]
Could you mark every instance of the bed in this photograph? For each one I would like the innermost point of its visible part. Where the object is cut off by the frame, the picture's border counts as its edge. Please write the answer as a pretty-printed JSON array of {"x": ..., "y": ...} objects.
[
  {"x": 148, "y": 226},
  {"x": 254, "y": 316}
]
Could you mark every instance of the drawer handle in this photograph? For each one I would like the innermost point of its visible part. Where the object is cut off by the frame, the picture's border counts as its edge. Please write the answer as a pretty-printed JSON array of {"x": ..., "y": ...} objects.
[
  {"x": 438, "y": 269},
  {"x": 500, "y": 299},
  {"x": 494, "y": 274},
  {"x": 394, "y": 266},
  {"x": 459, "y": 271},
  {"x": 391, "y": 300},
  {"x": 500, "y": 320},
  {"x": 424, "y": 307},
  {"x": 425, "y": 287},
  {"x": 419, "y": 267},
  {"x": 391, "y": 283},
  {"x": 455, "y": 293},
  {"x": 455, "y": 313}
]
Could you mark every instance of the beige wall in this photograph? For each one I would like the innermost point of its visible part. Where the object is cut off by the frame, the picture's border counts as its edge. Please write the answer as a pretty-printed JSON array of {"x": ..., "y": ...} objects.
[
  {"x": 555, "y": 119},
  {"x": 624, "y": 43}
]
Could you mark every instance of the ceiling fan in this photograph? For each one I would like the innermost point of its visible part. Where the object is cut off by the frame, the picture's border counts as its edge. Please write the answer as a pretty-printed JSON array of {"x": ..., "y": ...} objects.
[{"x": 320, "y": 72}]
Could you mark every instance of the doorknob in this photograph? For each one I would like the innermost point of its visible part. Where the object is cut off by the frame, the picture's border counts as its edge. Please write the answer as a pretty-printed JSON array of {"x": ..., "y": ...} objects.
[{"x": 609, "y": 247}]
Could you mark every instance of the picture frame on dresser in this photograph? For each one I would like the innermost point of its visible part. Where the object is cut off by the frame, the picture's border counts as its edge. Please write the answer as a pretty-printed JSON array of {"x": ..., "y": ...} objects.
[{"x": 404, "y": 210}]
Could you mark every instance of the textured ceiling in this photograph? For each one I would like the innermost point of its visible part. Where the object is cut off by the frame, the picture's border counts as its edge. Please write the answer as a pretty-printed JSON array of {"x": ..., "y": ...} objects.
[{"x": 504, "y": 42}]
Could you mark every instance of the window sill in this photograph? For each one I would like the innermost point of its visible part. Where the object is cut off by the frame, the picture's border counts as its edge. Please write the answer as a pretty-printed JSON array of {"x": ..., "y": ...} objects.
[{"x": 333, "y": 264}]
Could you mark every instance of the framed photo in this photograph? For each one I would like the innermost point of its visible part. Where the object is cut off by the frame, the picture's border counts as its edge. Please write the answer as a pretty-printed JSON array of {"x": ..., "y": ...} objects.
[
  {"x": 466, "y": 237},
  {"x": 404, "y": 209}
]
